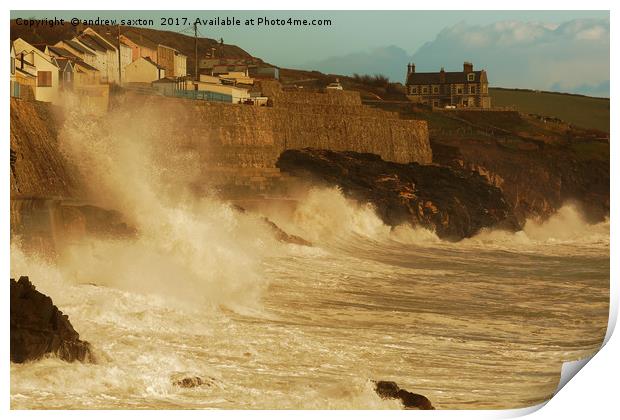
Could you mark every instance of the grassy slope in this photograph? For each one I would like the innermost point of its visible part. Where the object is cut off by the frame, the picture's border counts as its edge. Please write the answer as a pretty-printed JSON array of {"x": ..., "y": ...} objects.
[{"x": 583, "y": 111}]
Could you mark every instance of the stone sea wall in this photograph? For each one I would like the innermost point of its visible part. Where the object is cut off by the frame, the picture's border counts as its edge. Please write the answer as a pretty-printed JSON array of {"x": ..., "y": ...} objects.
[
  {"x": 250, "y": 137},
  {"x": 232, "y": 140}
]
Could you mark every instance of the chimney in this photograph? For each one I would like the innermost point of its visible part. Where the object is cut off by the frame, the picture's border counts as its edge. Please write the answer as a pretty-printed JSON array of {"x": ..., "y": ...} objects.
[
  {"x": 468, "y": 67},
  {"x": 412, "y": 67},
  {"x": 442, "y": 76}
]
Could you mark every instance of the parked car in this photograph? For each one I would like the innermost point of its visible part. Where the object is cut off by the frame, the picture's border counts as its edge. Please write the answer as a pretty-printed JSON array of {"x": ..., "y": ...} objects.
[{"x": 334, "y": 86}]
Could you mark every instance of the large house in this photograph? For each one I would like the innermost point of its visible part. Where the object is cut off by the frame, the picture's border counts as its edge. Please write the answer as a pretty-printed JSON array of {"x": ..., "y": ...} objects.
[
  {"x": 34, "y": 62},
  {"x": 83, "y": 73},
  {"x": 170, "y": 59},
  {"x": 467, "y": 88},
  {"x": 78, "y": 50},
  {"x": 144, "y": 70},
  {"x": 106, "y": 53}
]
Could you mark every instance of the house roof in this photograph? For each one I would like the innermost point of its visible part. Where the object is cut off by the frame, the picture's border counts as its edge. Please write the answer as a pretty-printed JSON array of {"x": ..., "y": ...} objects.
[
  {"x": 104, "y": 40},
  {"x": 76, "y": 46},
  {"x": 91, "y": 42},
  {"x": 435, "y": 78},
  {"x": 165, "y": 46},
  {"x": 85, "y": 65},
  {"x": 62, "y": 52},
  {"x": 26, "y": 47},
  {"x": 153, "y": 63},
  {"x": 140, "y": 40}
]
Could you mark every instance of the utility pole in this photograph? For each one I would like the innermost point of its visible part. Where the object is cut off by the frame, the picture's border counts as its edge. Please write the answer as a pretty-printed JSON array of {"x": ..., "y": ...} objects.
[
  {"x": 118, "y": 46},
  {"x": 195, "y": 51}
]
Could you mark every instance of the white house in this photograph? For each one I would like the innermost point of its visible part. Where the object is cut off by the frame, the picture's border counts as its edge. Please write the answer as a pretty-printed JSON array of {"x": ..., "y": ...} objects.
[
  {"x": 237, "y": 95},
  {"x": 14, "y": 84},
  {"x": 126, "y": 59},
  {"x": 47, "y": 86},
  {"x": 86, "y": 54},
  {"x": 180, "y": 64},
  {"x": 144, "y": 70},
  {"x": 214, "y": 84},
  {"x": 101, "y": 54}
]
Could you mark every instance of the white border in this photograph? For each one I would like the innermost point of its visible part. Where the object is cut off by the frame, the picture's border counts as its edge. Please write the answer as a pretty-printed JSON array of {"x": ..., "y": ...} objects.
[{"x": 592, "y": 395}]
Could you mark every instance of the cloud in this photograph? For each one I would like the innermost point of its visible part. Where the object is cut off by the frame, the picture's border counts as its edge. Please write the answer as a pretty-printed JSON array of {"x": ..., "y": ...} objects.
[
  {"x": 571, "y": 57},
  {"x": 568, "y": 57}
]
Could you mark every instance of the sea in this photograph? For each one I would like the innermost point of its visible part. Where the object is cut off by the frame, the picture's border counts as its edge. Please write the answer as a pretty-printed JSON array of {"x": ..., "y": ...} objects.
[{"x": 204, "y": 290}]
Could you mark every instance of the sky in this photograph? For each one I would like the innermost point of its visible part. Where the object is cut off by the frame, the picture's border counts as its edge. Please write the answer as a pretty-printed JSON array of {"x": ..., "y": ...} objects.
[{"x": 529, "y": 49}]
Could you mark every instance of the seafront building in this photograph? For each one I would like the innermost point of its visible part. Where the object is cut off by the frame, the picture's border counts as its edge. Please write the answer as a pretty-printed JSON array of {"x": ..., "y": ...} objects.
[{"x": 449, "y": 89}]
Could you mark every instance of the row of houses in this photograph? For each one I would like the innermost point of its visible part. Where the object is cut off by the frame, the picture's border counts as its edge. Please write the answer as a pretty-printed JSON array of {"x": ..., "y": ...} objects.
[
  {"x": 90, "y": 62},
  {"x": 90, "y": 59}
]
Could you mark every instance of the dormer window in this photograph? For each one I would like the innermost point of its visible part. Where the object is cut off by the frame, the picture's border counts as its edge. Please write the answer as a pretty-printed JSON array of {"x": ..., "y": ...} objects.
[{"x": 471, "y": 77}]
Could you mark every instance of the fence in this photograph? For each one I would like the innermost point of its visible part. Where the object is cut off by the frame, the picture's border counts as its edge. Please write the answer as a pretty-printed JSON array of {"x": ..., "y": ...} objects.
[
  {"x": 15, "y": 89},
  {"x": 202, "y": 95}
]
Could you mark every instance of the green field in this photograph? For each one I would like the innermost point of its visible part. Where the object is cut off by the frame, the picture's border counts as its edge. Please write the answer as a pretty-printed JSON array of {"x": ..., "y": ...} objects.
[{"x": 582, "y": 111}]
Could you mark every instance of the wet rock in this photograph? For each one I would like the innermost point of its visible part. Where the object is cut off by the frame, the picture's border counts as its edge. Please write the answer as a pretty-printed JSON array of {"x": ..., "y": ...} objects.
[
  {"x": 455, "y": 204},
  {"x": 191, "y": 381},
  {"x": 390, "y": 390},
  {"x": 280, "y": 234},
  {"x": 39, "y": 328}
]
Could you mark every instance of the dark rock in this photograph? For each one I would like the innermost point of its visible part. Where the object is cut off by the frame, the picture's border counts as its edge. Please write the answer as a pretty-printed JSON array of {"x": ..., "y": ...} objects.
[
  {"x": 280, "y": 234},
  {"x": 390, "y": 390},
  {"x": 191, "y": 381},
  {"x": 454, "y": 203},
  {"x": 39, "y": 328}
]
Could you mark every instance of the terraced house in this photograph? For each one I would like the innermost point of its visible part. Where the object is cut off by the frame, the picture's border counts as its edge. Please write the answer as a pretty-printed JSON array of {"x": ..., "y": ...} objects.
[{"x": 467, "y": 88}]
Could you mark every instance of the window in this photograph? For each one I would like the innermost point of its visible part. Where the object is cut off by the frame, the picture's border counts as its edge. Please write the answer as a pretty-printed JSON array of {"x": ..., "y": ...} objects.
[
  {"x": 424, "y": 89},
  {"x": 414, "y": 89},
  {"x": 472, "y": 89},
  {"x": 436, "y": 104},
  {"x": 471, "y": 77},
  {"x": 435, "y": 89},
  {"x": 459, "y": 90},
  {"x": 44, "y": 78}
]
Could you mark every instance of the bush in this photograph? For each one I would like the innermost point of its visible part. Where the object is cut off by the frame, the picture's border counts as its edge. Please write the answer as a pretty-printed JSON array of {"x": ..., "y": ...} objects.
[{"x": 378, "y": 80}]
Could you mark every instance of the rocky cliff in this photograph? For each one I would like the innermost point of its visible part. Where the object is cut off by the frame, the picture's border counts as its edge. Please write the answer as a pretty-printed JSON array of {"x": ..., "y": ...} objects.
[
  {"x": 38, "y": 169},
  {"x": 538, "y": 163},
  {"x": 453, "y": 203},
  {"x": 539, "y": 166}
]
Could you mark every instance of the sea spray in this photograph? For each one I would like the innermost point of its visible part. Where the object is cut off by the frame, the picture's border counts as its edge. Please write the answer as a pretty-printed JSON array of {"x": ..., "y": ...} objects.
[{"x": 191, "y": 247}]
